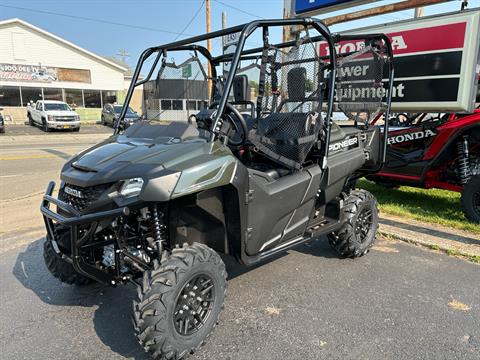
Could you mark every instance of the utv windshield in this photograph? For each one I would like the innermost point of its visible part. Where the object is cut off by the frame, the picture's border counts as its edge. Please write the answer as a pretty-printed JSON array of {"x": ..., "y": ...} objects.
[{"x": 253, "y": 88}]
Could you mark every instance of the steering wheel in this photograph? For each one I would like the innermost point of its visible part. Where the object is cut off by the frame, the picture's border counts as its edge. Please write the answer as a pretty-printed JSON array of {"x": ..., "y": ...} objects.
[{"x": 230, "y": 110}]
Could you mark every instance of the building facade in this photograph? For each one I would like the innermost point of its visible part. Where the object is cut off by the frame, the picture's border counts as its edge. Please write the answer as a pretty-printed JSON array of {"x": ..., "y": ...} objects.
[{"x": 35, "y": 65}]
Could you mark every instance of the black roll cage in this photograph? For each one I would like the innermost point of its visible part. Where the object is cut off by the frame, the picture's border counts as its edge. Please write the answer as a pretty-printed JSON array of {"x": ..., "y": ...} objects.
[{"x": 245, "y": 31}]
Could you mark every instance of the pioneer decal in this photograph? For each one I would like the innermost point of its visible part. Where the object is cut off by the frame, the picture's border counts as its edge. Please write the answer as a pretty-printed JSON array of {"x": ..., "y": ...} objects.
[
  {"x": 398, "y": 139},
  {"x": 344, "y": 144}
]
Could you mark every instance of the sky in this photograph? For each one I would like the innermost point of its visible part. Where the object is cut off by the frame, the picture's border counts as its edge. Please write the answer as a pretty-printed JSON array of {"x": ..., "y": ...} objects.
[{"x": 135, "y": 25}]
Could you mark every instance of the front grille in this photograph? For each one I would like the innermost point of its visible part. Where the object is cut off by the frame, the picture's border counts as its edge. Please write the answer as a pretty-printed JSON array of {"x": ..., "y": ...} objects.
[
  {"x": 64, "y": 118},
  {"x": 85, "y": 195}
]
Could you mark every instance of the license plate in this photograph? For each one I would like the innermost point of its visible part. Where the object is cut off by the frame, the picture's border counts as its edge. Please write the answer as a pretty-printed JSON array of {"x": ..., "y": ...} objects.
[{"x": 66, "y": 126}]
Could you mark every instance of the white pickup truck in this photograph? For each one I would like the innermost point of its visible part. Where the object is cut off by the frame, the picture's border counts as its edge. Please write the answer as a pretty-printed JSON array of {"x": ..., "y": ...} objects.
[{"x": 52, "y": 114}]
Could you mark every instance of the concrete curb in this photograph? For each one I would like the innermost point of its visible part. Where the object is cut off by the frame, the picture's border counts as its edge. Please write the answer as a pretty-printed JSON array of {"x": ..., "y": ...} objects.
[{"x": 455, "y": 243}]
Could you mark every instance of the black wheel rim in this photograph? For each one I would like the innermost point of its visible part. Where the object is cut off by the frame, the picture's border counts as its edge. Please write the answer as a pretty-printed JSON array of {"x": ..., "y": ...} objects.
[
  {"x": 364, "y": 223},
  {"x": 194, "y": 305}
]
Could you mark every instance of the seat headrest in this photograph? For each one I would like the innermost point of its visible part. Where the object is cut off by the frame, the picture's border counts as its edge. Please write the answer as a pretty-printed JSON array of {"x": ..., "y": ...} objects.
[{"x": 296, "y": 84}]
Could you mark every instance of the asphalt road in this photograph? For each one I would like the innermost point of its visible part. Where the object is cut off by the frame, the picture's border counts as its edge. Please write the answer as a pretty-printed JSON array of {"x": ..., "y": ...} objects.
[
  {"x": 307, "y": 304},
  {"x": 29, "y": 159},
  {"x": 23, "y": 129},
  {"x": 398, "y": 302}
]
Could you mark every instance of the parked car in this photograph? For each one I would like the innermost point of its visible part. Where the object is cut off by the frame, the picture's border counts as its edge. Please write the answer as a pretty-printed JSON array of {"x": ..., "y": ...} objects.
[
  {"x": 2, "y": 123},
  {"x": 111, "y": 112},
  {"x": 50, "y": 114}
]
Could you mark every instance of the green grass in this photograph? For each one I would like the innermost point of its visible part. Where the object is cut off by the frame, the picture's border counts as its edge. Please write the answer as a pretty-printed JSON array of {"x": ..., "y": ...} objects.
[{"x": 433, "y": 205}]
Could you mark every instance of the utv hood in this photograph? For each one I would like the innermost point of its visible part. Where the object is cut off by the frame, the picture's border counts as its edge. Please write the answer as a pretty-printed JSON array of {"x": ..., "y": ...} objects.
[
  {"x": 119, "y": 152},
  {"x": 143, "y": 150}
]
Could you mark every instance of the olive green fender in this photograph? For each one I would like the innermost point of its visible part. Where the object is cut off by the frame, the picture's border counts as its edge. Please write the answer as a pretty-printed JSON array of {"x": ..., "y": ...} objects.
[{"x": 207, "y": 166}]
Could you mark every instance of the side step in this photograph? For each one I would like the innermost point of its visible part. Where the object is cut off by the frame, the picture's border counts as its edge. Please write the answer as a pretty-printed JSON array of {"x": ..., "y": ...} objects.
[{"x": 324, "y": 227}]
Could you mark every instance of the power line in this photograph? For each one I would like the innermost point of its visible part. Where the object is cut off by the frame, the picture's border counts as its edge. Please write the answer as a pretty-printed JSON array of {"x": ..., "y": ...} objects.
[
  {"x": 238, "y": 9},
  {"x": 132, "y": 26},
  {"x": 191, "y": 20}
]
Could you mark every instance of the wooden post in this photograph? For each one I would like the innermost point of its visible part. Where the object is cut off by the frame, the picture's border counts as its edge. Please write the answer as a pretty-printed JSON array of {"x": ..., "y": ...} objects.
[{"x": 209, "y": 48}]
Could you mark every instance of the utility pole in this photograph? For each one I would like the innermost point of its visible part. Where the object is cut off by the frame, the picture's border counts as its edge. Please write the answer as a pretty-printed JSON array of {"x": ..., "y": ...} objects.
[
  {"x": 224, "y": 20},
  {"x": 288, "y": 14},
  {"x": 124, "y": 54},
  {"x": 224, "y": 38},
  {"x": 209, "y": 48}
]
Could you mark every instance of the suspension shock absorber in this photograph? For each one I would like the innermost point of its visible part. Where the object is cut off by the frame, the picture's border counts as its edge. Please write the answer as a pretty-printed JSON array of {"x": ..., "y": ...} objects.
[
  {"x": 159, "y": 229},
  {"x": 463, "y": 160}
]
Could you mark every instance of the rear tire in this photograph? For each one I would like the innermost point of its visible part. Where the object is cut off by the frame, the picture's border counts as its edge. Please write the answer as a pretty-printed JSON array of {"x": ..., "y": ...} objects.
[
  {"x": 187, "y": 289},
  {"x": 470, "y": 199},
  {"x": 60, "y": 268},
  {"x": 357, "y": 234}
]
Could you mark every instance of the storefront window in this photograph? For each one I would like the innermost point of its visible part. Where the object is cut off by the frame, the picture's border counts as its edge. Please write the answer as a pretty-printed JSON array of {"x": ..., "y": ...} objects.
[
  {"x": 166, "y": 104},
  {"x": 31, "y": 94},
  {"x": 92, "y": 98},
  {"x": 191, "y": 105},
  {"x": 177, "y": 104},
  {"x": 74, "y": 98},
  {"x": 10, "y": 96},
  {"x": 203, "y": 104},
  {"x": 109, "y": 97},
  {"x": 52, "y": 94}
]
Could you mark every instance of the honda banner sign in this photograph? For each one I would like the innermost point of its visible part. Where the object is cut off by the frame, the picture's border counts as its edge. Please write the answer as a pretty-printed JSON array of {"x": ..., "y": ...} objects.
[{"x": 436, "y": 61}]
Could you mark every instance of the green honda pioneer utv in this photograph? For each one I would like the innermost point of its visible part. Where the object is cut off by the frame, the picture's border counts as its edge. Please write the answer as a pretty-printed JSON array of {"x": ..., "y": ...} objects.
[{"x": 244, "y": 162}]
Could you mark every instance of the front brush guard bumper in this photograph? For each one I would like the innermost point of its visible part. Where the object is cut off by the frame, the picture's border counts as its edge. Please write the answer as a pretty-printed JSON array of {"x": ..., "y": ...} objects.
[{"x": 72, "y": 220}]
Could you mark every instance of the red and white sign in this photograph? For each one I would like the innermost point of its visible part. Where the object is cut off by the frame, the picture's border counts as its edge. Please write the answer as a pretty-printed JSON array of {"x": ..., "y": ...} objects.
[
  {"x": 422, "y": 39},
  {"x": 436, "y": 61}
]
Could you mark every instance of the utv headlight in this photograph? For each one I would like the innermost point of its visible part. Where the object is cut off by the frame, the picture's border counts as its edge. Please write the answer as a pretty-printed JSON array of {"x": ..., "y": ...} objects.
[
  {"x": 51, "y": 118},
  {"x": 131, "y": 187}
]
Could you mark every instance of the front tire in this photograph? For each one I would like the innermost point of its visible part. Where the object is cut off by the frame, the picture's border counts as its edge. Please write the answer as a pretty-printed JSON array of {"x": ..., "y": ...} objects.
[
  {"x": 45, "y": 126},
  {"x": 179, "y": 302},
  {"x": 470, "y": 199},
  {"x": 60, "y": 268},
  {"x": 357, "y": 234}
]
